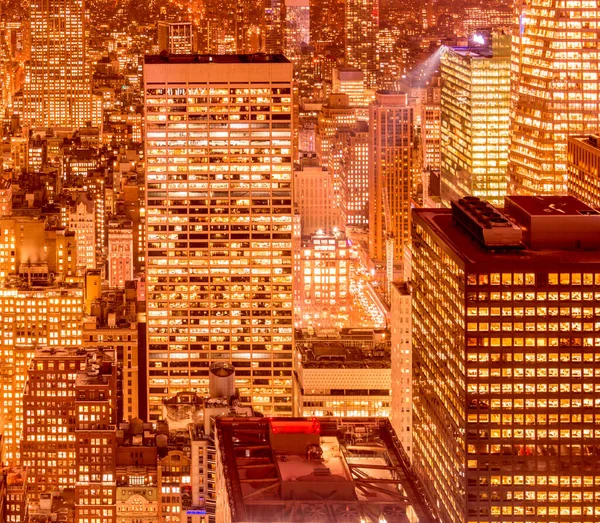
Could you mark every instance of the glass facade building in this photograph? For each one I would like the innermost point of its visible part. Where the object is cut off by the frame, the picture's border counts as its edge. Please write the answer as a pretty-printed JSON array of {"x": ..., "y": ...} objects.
[
  {"x": 555, "y": 89},
  {"x": 219, "y": 225},
  {"x": 505, "y": 360},
  {"x": 475, "y": 105}
]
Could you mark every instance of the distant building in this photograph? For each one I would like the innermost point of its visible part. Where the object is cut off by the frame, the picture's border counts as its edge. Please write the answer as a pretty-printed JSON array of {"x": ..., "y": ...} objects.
[
  {"x": 324, "y": 279},
  {"x": 175, "y": 37},
  {"x": 362, "y": 24},
  {"x": 475, "y": 120},
  {"x": 391, "y": 131},
  {"x": 58, "y": 84},
  {"x": 314, "y": 200},
  {"x": 353, "y": 149},
  {"x": 120, "y": 253},
  {"x": 547, "y": 108}
]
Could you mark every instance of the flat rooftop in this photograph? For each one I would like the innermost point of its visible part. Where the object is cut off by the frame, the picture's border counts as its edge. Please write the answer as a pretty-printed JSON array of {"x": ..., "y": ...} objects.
[
  {"x": 473, "y": 52},
  {"x": 466, "y": 249},
  {"x": 318, "y": 469},
  {"x": 552, "y": 206},
  {"x": 257, "y": 58}
]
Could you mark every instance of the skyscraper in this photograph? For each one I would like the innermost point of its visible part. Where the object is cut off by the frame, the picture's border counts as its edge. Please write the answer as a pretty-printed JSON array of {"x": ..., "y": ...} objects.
[
  {"x": 475, "y": 120},
  {"x": 505, "y": 351},
  {"x": 390, "y": 173},
  {"x": 556, "y": 91},
  {"x": 175, "y": 37},
  {"x": 219, "y": 225},
  {"x": 58, "y": 84},
  {"x": 362, "y": 23}
]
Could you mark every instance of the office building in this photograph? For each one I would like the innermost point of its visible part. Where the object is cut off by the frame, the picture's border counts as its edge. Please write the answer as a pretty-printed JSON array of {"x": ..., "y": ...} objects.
[
  {"x": 556, "y": 93},
  {"x": 77, "y": 388},
  {"x": 58, "y": 84},
  {"x": 120, "y": 253},
  {"x": 494, "y": 16},
  {"x": 344, "y": 373},
  {"x": 391, "y": 127},
  {"x": 273, "y": 28},
  {"x": 358, "y": 465},
  {"x": 80, "y": 216},
  {"x": 296, "y": 28},
  {"x": 401, "y": 364},
  {"x": 314, "y": 200},
  {"x": 353, "y": 147},
  {"x": 583, "y": 155},
  {"x": 475, "y": 121},
  {"x": 219, "y": 225},
  {"x": 362, "y": 25},
  {"x": 175, "y": 37},
  {"x": 327, "y": 21},
  {"x": 16, "y": 495},
  {"x": 335, "y": 116},
  {"x": 350, "y": 81},
  {"x": 324, "y": 280},
  {"x": 504, "y": 352}
]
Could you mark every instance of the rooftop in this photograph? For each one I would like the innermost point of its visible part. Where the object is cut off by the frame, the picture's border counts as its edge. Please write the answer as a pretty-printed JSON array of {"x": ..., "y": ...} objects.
[
  {"x": 592, "y": 140},
  {"x": 256, "y": 58},
  {"x": 559, "y": 232},
  {"x": 345, "y": 349},
  {"x": 553, "y": 206},
  {"x": 281, "y": 469}
]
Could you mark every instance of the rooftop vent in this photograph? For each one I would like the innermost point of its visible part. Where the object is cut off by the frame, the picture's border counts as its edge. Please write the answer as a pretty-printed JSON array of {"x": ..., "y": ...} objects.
[{"x": 485, "y": 223}]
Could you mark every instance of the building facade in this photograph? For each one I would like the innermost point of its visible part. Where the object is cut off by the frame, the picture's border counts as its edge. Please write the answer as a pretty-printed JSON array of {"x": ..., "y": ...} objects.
[
  {"x": 219, "y": 225},
  {"x": 362, "y": 25},
  {"x": 58, "y": 84},
  {"x": 555, "y": 92},
  {"x": 504, "y": 345},
  {"x": 583, "y": 156},
  {"x": 475, "y": 121},
  {"x": 391, "y": 127}
]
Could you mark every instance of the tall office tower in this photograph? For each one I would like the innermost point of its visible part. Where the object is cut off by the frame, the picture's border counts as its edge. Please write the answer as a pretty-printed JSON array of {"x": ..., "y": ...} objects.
[
  {"x": 327, "y": 23},
  {"x": 362, "y": 25},
  {"x": 219, "y": 225},
  {"x": 350, "y": 81},
  {"x": 391, "y": 128},
  {"x": 475, "y": 120},
  {"x": 175, "y": 37},
  {"x": 58, "y": 84},
  {"x": 273, "y": 25},
  {"x": 584, "y": 169},
  {"x": 401, "y": 362},
  {"x": 431, "y": 124},
  {"x": 354, "y": 167},
  {"x": 555, "y": 89},
  {"x": 297, "y": 28},
  {"x": 336, "y": 115},
  {"x": 314, "y": 200},
  {"x": 504, "y": 352},
  {"x": 120, "y": 253}
]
